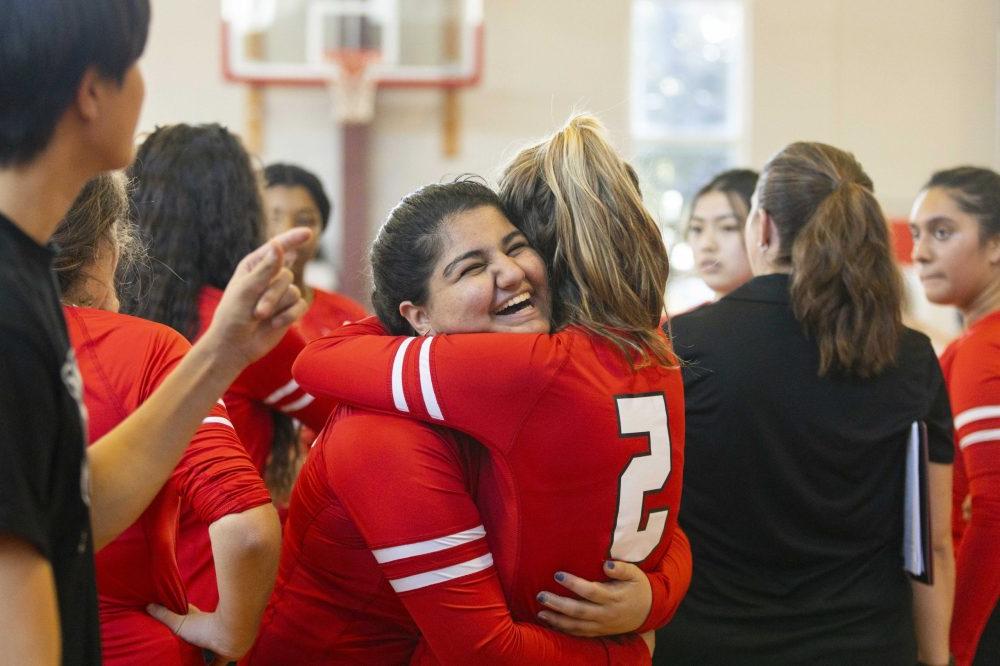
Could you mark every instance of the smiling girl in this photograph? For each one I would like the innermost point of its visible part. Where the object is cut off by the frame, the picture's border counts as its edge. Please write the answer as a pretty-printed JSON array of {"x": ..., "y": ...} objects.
[
  {"x": 956, "y": 232},
  {"x": 393, "y": 491}
]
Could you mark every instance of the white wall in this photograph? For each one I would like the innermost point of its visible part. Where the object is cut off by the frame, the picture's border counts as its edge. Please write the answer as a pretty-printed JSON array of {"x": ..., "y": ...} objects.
[{"x": 908, "y": 85}]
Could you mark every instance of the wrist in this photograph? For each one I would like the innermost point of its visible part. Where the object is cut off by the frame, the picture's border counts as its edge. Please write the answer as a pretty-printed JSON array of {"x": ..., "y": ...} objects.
[{"x": 219, "y": 354}]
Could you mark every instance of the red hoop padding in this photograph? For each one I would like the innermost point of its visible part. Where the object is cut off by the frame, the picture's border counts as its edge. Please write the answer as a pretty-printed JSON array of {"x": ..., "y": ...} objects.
[
  {"x": 472, "y": 79},
  {"x": 354, "y": 62},
  {"x": 902, "y": 240}
]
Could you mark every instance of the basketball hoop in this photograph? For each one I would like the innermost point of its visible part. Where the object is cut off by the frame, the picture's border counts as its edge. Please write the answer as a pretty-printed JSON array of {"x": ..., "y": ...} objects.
[{"x": 352, "y": 85}]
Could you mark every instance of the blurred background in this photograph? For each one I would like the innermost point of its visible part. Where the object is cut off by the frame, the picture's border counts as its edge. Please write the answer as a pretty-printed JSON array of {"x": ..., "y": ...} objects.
[{"x": 686, "y": 87}]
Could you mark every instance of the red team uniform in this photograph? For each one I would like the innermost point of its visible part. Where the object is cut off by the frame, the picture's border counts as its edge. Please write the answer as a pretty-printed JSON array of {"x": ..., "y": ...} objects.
[
  {"x": 328, "y": 312},
  {"x": 330, "y": 574},
  {"x": 971, "y": 366},
  {"x": 122, "y": 360},
  {"x": 585, "y": 464},
  {"x": 264, "y": 387}
]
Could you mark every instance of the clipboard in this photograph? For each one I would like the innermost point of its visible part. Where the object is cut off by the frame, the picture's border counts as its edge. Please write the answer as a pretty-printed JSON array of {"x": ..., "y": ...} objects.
[{"x": 917, "y": 558}]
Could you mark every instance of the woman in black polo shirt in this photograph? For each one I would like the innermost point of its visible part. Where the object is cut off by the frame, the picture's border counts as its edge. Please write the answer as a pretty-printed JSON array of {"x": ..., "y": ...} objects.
[{"x": 801, "y": 387}]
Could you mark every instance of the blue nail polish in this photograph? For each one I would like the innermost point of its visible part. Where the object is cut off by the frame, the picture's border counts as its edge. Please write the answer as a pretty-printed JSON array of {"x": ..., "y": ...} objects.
[
  {"x": 560, "y": 576},
  {"x": 541, "y": 597},
  {"x": 609, "y": 564}
]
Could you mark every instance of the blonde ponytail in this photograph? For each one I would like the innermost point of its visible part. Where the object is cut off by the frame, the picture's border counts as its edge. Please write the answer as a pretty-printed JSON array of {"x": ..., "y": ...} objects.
[{"x": 579, "y": 204}]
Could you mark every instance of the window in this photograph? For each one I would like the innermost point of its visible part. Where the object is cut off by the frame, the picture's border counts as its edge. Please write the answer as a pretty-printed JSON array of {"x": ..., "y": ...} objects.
[{"x": 687, "y": 112}]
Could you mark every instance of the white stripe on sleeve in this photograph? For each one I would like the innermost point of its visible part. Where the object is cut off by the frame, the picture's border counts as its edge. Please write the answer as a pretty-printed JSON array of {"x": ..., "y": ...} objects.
[
  {"x": 285, "y": 390},
  {"x": 301, "y": 403},
  {"x": 979, "y": 436},
  {"x": 384, "y": 555},
  {"x": 442, "y": 575},
  {"x": 977, "y": 414},
  {"x": 218, "y": 419},
  {"x": 426, "y": 385},
  {"x": 398, "y": 397},
  {"x": 220, "y": 403}
]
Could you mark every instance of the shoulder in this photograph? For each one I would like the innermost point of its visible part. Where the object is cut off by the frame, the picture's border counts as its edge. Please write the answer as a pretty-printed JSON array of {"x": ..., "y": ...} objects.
[
  {"x": 128, "y": 336},
  {"x": 331, "y": 300},
  {"x": 974, "y": 358}
]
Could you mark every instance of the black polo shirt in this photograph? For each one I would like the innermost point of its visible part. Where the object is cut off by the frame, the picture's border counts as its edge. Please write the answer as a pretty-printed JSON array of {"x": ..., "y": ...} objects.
[
  {"x": 793, "y": 490},
  {"x": 43, "y": 473}
]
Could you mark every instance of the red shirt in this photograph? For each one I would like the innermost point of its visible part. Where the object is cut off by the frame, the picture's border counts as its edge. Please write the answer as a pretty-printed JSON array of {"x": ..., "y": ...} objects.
[
  {"x": 264, "y": 387},
  {"x": 344, "y": 542},
  {"x": 971, "y": 366},
  {"x": 513, "y": 393},
  {"x": 328, "y": 312},
  {"x": 122, "y": 360}
]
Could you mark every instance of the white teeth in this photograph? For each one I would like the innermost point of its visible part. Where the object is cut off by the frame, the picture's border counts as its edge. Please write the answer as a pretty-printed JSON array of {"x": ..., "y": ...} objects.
[{"x": 520, "y": 298}]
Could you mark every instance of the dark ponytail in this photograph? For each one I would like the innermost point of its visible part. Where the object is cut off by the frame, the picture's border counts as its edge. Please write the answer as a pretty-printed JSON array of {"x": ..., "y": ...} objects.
[{"x": 845, "y": 288}]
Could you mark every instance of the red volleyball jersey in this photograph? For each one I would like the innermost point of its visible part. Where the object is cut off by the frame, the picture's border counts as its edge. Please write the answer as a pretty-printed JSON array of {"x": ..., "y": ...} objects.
[
  {"x": 586, "y": 455},
  {"x": 364, "y": 579},
  {"x": 265, "y": 386},
  {"x": 328, "y": 312},
  {"x": 971, "y": 366},
  {"x": 122, "y": 360}
]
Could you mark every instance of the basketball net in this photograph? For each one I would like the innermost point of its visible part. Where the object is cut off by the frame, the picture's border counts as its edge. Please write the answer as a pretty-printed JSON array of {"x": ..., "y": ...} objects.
[{"x": 352, "y": 86}]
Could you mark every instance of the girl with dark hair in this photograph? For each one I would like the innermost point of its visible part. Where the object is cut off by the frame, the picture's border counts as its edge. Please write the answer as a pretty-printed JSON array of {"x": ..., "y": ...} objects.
[
  {"x": 122, "y": 360},
  {"x": 583, "y": 427},
  {"x": 424, "y": 254},
  {"x": 715, "y": 230},
  {"x": 956, "y": 247},
  {"x": 197, "y": 206},
  {"x": 802, "y": 387},
  {"x": 294, "y": 197}
]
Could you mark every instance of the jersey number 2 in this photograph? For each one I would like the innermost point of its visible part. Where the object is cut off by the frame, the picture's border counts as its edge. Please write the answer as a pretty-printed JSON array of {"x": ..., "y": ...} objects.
[{"x": 641, "y": 415}]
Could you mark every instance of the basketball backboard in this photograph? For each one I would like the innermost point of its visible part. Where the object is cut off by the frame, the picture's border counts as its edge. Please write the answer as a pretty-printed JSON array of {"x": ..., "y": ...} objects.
[{"x": 416, "y": 43}]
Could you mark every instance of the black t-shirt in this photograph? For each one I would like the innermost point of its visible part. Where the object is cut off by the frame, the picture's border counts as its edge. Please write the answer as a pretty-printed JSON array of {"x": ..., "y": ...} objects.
[
  {"x": 43, "y": 473},
  {"x": 793, "y": 490}
]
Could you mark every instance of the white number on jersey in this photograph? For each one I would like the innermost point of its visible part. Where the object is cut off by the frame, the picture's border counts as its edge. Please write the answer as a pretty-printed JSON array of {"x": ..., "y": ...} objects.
[{"x": 641, "y": 415}]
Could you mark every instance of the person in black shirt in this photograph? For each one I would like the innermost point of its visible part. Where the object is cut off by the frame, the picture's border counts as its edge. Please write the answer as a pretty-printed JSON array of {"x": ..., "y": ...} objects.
[
  {"x": 800, "y": 388},
  {"x": 70, "y": 94}
]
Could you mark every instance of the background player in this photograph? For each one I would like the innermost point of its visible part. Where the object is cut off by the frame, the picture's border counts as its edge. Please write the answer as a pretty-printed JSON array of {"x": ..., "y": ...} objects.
[
  {"x": 517, "y": 393},
  {"x": 196, "y": 202},
  {"x": 801, "y": 388},
  {"x": 294, "y": 197},
  {"x": 715, "y": 230},
  {"x": 956, "y": 235},
  {"x": 122, "y": 360}
]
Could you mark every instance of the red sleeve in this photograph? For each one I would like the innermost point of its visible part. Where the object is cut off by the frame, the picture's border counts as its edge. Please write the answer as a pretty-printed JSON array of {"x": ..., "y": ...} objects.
[
  {"x": 669, "y": 582},
  {"x": 432, "y": 547},
  {"x": 480, "y": 383},
  {"x": 975, "y": 393},
  {"x": 215, "y": 474},
  {"x": 269, "y": 380}
]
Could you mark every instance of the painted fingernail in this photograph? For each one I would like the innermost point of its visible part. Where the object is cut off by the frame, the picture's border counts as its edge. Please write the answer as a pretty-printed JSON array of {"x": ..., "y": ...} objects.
[
  {"x": 541, "y": 597},
  {"x": 560, "y": 576},
  {"x": 609, "y": 564}
]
